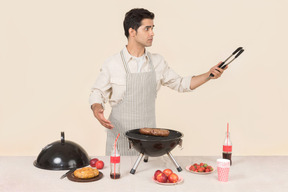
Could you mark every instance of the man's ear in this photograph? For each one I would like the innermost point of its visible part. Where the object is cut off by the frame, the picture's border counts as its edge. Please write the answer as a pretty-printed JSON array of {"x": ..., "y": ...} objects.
[{"x": 132, "y": 32}]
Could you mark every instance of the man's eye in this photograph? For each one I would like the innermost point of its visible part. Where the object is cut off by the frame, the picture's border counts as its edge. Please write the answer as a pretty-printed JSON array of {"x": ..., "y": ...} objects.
[{"x": 146, "y": 28}]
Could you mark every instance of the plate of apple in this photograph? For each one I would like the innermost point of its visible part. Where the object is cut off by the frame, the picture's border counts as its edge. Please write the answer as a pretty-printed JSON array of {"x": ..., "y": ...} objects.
[{"x": 167, "y": 177}]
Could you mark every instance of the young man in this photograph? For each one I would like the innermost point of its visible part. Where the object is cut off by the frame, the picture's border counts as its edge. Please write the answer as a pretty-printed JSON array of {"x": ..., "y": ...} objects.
[{"x": 130, "y": 80}]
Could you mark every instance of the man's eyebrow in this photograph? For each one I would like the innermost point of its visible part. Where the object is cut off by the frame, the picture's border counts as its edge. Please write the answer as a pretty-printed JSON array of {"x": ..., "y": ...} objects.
[{"x": 149, "y": 26}]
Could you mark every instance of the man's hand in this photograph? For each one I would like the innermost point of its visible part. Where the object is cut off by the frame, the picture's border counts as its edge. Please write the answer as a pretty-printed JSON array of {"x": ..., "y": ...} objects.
[
  {"x": 198, "y": 80},
  {"x": 216, "y": 71},
  {"x": 99, "y": 114}
]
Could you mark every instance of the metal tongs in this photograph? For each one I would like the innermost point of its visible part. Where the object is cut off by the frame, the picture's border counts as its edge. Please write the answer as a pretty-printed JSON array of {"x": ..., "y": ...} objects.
[{"x": 239, "y": 50}]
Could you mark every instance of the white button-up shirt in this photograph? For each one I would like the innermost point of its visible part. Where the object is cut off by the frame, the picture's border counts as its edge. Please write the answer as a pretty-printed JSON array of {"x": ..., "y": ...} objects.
[{"x": 110, "y": 85}]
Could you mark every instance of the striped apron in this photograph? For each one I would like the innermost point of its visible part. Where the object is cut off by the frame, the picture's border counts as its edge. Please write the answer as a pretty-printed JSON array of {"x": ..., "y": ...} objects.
[{"x": 136, "y": 110}]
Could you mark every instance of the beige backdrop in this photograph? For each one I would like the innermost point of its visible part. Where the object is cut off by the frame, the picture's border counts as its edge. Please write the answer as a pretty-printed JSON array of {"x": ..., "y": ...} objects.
[{"x": 51, "y": 53}]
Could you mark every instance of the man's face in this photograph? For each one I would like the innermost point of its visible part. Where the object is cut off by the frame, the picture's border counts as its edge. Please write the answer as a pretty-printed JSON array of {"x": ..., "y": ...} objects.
[{"x": 144, "y": 34}]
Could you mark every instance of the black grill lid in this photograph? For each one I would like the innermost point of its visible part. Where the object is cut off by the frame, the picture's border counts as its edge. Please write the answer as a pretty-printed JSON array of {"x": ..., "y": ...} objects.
[{"x": 62, "y": 155}]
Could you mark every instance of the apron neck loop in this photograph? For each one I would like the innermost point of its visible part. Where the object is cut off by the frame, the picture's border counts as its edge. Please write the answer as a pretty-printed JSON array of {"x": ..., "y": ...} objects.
[{"x": 126, "y": 66}]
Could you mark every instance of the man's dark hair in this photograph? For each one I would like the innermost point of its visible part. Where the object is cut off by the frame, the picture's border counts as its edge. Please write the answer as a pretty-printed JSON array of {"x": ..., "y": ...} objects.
[{"x": 134, "y": 17}]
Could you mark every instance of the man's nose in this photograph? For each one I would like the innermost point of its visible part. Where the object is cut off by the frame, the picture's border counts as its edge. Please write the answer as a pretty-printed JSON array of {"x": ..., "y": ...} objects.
[{"x": 151, "y": 32}]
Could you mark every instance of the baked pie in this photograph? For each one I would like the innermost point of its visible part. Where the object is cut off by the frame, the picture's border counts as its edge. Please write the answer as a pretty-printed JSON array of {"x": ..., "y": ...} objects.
[{"x": 86, "y": 173}]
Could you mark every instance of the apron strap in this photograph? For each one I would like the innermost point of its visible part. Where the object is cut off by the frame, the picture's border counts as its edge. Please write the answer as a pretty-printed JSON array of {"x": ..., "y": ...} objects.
[
  {"x": 150, "y": 63},
  {"x": 124, "y": 62}
]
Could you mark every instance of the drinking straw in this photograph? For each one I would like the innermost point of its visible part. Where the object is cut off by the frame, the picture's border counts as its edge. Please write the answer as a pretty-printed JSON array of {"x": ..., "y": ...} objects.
[
  {"x": 227, "y": 132},
  {"x": 115, "y": 154}
]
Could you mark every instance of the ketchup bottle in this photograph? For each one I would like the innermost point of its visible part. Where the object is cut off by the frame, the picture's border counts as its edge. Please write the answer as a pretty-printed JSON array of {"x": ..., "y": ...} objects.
[
  {"x": 115, "y": 163},
  {"x": 227, "y": 146}
]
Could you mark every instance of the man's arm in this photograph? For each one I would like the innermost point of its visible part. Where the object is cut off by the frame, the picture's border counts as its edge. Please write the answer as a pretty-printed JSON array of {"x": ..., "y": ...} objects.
[
  {"x": 99, "y": 96},
  {"x": 199, "y": 80}
]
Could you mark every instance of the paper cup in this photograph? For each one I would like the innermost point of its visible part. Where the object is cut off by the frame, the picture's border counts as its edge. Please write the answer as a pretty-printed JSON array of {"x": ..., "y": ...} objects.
[{"x": 223, "y": 167}]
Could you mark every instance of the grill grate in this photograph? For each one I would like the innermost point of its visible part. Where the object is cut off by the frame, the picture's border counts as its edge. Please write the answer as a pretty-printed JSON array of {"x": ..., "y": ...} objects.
[{"x": 135, "y": 134}]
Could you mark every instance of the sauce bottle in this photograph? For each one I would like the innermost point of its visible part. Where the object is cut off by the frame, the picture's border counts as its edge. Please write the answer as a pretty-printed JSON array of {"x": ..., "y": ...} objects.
[
  {"x": 227, "y": 146},
  {"x": 115, "y": 163}
]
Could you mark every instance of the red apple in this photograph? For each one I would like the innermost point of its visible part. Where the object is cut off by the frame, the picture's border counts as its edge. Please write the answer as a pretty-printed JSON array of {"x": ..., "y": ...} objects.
[
  {"x": 162, "y": 178},
  {"x": 157, "y": 173},
  {"x": 99, "y": 164},
  {"x": 167, "y": 172},
  {"x": 93, "y": 162},
  {"x": 173, "y": 178}
]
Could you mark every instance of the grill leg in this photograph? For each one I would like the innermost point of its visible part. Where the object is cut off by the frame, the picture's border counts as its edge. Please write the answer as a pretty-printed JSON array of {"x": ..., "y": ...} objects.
[
  {"x": 179, "y": 169},
  {"x": 146, "y": 158},
  {"x": 133, "y": 170}
]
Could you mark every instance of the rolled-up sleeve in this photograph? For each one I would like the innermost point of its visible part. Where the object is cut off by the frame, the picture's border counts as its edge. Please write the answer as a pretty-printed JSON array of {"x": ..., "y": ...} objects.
[
  {"x": 101, "y": 90},
  {"x": 174, "y": 81}
]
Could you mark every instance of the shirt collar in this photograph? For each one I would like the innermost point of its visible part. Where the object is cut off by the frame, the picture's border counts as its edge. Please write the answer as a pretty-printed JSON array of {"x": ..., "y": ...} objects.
[{"x": 128, "y": 57}]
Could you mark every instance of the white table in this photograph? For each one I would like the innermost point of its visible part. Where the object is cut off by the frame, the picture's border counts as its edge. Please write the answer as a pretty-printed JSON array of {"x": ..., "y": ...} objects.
[{"x": 18, "y": 174}]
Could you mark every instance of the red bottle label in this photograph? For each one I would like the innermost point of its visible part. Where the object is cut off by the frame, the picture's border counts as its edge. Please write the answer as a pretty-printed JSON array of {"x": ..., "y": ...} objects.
[
  {"x": 114, "y": 159},
  {"x": 227, "y": 148}
]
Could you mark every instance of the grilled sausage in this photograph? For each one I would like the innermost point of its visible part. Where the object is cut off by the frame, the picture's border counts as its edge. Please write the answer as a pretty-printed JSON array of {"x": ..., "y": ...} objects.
[{"x": 154, "y": 132}]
